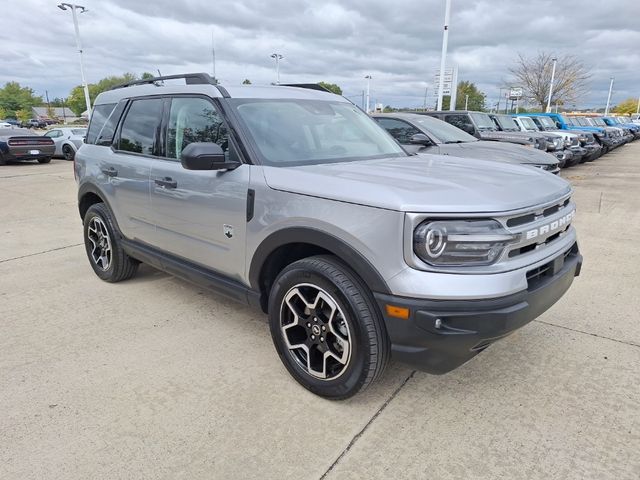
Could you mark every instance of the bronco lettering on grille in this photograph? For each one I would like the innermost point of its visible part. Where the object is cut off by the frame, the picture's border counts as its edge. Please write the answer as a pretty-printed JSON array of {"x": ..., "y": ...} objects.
[{"x": 562, "y": 222}]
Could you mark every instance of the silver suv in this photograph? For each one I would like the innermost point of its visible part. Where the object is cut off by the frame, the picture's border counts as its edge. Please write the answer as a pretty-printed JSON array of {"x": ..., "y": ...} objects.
[{"x": 295, "y": 201}]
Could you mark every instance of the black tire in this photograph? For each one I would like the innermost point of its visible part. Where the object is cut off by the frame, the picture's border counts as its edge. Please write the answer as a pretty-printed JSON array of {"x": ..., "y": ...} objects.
[
  {"x": 119, "y": 266},
  {"x": 44, "y": 160},
  {"x": 67, "y": 152},
  {"x": 356, "y": 315}
]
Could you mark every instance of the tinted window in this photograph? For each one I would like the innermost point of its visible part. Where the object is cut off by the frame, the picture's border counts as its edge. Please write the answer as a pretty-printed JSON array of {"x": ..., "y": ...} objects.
[
  {"x": 194, "y": 120},
  {"x": 461, "y": 121},
  {"x": 399, "y": 130},
  {"x": 99, "y": 116},
  {"x": 442, "y": 131},
  {"x": 105, "y": 137},
  {"x": 140, "y": 126}
]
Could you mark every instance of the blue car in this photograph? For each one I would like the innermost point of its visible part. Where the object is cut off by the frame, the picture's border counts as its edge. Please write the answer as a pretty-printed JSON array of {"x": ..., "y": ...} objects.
[
  {"x": 603, "y": 137},
  {"x": 633, "y": 128}
]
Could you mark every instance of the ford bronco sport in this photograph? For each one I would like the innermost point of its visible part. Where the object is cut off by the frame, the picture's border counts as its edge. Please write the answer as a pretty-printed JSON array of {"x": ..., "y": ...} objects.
[{"x": 295, "y": 201}]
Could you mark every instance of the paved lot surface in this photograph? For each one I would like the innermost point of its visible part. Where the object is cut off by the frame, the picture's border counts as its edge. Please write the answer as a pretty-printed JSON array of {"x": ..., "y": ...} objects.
[{"x": 155, "y": 378}]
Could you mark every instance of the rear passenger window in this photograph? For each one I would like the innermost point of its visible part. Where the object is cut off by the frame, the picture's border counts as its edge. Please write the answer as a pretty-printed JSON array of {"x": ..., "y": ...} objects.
[
  {"x": 194, "y": 120},
  {"x": 140, "y": 127},
  {"x": 99, "y": 116},
  {"x": 463, "y": 122}
]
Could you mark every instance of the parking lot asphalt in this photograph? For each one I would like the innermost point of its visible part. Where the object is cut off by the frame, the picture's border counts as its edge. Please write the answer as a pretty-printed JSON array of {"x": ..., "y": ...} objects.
[{"x": 156, "y": 378}]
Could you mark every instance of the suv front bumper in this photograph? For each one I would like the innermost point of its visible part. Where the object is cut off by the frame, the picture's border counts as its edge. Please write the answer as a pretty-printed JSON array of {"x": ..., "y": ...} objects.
[{"x": 441, "y": 335}]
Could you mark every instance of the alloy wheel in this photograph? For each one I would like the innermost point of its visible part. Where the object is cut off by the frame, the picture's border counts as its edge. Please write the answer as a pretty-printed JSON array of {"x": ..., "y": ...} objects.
[{"x": 98, "y": 235}]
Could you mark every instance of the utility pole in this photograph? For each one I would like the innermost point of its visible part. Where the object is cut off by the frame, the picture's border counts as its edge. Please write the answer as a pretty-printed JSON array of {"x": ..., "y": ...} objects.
[
  {"x": 553, "y": 76},
  {"x": 368, "y": 77},
  {"x": 213, "y": 56},
  {"x": 443, "y": 57},
  {"x": 73, "y": 7},
  {"x": 466, "y": 102},
  {"x": 426, "y": 89},
  {"x": 638, "y": 109},
  {"x": 606, "y": 110}
]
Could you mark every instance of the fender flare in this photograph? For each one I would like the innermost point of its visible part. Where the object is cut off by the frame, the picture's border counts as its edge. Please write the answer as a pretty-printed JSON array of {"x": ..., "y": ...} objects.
[{"x": 363, "y": 267}]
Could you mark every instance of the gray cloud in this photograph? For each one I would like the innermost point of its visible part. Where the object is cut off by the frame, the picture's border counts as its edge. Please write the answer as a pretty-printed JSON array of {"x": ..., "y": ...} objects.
[{"x": 398, "y": 43}]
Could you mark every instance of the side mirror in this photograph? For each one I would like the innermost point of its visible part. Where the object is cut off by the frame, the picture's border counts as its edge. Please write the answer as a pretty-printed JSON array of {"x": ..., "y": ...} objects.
[
  {"x": 205, "y": 156},
  {"x": 420, "y": 139}
]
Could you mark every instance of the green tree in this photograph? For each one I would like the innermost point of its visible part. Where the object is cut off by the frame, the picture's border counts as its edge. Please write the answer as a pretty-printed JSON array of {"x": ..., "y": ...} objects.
[
  {"x": 388, "y": 109},
  {"x": 146, "y": 75},
  {"x": 476, "y": 97},
  {"x": 627, "y": 107},
  {"x": 23, "y": 114},
  {"x": 246, "y": 81},
  {"x": 14, "y": 97},
  {"x": 3, "y": 113},
  {"x": 332, "y": 87},
  {"x": 76, "y": 100}
]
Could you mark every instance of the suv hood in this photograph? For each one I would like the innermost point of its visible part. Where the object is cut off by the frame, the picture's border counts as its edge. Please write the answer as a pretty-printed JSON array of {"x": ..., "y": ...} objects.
[
  {"x": 423, "y": 183},
  {"x": 499, "y": 152}
]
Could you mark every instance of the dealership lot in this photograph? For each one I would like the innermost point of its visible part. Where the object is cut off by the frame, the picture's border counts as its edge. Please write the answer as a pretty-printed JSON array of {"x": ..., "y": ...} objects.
[{"x": 156, "y": 378}]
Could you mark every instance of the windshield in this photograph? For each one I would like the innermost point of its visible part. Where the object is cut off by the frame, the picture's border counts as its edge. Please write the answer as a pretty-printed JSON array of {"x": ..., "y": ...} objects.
[
  {"x": 547, "y": 122},
  {"x": 528, "y": 123},
  {"x": 624, "y": 119},
  {"x": 507, "y": 123},
  {"x": 291, "y": 132},
  {"x": 599, "y": 121},
  {"x": 482, "y": 121},
  {"x": 443, "y": 132}
]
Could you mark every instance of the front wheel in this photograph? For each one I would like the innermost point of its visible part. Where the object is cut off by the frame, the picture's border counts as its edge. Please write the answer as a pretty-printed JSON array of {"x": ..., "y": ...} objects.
[
  {"x": 326, "y": 327},
  {"x": 67, "y": 152}
]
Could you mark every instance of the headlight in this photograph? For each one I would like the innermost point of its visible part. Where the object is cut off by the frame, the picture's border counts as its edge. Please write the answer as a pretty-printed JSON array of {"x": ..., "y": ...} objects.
[
  {"x": 567, "y": 142},
  {"x": 460, "y": 242}
]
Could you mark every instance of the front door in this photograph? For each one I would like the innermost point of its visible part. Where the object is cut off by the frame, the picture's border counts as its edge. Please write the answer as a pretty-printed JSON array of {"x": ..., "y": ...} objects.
[{"x": 199, "y": 215}]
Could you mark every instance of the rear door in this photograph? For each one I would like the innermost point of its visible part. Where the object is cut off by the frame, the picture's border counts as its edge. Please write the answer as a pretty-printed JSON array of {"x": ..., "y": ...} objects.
[
  {"x": 199, "y": 215},
  {"x": 126, "y": 166}
]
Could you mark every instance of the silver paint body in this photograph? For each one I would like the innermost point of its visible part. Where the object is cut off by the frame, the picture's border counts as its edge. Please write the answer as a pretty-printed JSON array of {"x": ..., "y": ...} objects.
[
  {"x": 67, "y": 138},
  {"x": 372, "y": 205}
]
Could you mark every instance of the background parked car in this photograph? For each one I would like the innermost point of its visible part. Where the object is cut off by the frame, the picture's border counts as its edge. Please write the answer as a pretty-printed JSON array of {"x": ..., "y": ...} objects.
[
  {"x": 424, "y": 134},
  {"x": 34, "y": 123},
  {"x": 17, "y": 144},
  {"x": 12, "y": 121},
  {"x": 5, "y": 125},
  {"x": 481, "y": 126},
  {"x": 67, "y": 140}
]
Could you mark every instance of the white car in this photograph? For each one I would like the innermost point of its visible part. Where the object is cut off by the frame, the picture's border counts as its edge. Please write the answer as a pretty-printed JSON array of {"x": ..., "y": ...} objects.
[
  {"x": 67, "y": 140},
  {"x": 5, "y": 125}
]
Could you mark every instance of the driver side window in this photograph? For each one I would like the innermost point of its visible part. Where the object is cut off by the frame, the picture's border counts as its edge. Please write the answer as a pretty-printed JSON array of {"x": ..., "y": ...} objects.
[{"x": 194, "y": 120}]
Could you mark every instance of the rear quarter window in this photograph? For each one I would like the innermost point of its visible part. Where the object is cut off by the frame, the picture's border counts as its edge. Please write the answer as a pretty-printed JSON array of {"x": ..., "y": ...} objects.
[{"x": 99, "y": 117}]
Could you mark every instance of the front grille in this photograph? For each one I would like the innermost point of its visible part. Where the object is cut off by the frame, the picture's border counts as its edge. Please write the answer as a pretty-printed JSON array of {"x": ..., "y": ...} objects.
[{"x": 530, "y": 217}]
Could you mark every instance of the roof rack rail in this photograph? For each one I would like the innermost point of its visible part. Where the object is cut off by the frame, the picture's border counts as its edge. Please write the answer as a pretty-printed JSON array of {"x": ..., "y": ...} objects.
[
  {"x": 190, "y": 79},
  {"x": 310, "y": 86}
]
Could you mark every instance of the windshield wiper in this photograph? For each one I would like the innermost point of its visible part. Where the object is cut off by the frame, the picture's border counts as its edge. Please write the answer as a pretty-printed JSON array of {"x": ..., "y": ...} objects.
[{"x": 455, "y": 141}]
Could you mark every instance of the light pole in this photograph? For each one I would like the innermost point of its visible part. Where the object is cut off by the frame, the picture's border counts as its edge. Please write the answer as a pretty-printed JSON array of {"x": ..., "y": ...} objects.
[
  {"x": 443, "y": 58},
  {"x": 638, "y": 109},
  {"x": 368, "y": 77},
  {"x": 466, "y": 102},
  {"x": 553, "y": 76},
  {"x": 606, "y": 110},
  {"x": 277, "y": 58},
  {"x": 73, "y": 8}
]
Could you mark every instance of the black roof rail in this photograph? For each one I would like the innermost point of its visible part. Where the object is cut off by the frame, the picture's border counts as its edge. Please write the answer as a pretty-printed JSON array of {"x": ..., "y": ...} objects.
[
  {"x": 310, "y": 86},
  {"x": 189, "y": 78}
]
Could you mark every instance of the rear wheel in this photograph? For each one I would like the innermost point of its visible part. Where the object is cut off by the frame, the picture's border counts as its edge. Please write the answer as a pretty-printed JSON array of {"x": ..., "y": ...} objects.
[
  {"x": 44, "y": 160},
  {"x": 106, "y": 255},
  {"x": 326, "y": 327},
  {"x": 68, "y": 152}
]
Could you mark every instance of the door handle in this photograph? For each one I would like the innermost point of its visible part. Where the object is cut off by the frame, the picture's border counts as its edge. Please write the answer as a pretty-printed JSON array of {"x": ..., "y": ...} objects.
[
  {"x": 166, "y": 182},
  {"x": 110, "y": 172}
]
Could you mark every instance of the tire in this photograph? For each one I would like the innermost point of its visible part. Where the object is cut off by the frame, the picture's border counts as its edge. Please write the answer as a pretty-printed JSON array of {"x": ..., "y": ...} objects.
[
  {"x": 105, "y": 253},
  {"x": 337, "y": 330},
  {"x": 67, "y": 152},
  {"x": 44, "y": 160}
]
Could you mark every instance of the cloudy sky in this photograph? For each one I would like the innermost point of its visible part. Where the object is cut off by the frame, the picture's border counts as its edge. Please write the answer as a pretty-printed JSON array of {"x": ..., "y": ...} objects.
[{"x": 398, "y": 43}]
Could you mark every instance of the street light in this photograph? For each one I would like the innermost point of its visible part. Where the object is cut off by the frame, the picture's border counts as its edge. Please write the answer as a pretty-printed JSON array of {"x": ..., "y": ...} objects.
[
  {"x": 368, "y": 77},
  {"x": 277, "y": 58},
  {"x": 445, "y": 41},
  {"x": 466, "y": 102},
  {"x": 73, "y": 8},
  {"x": 553, "y": 76},
  {"x": 606, "y": 110}
]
